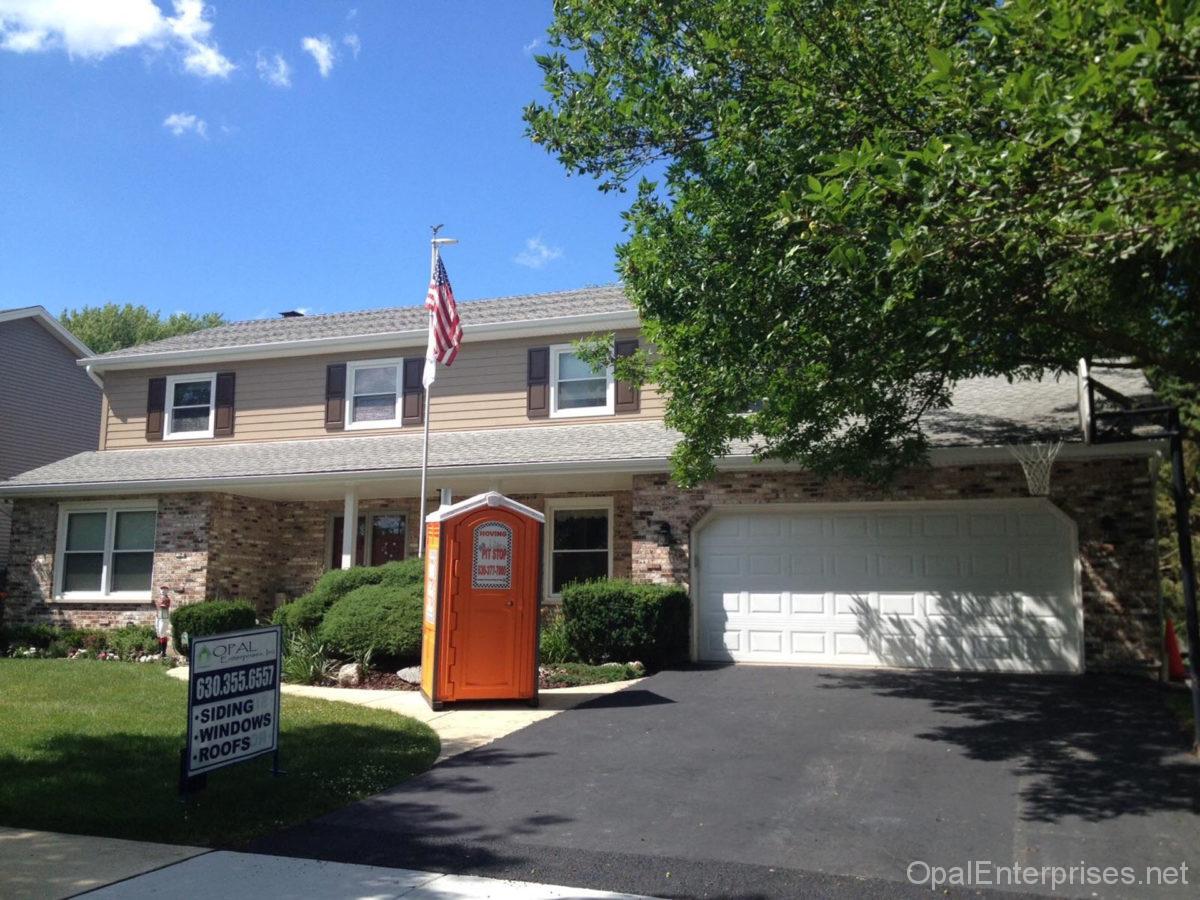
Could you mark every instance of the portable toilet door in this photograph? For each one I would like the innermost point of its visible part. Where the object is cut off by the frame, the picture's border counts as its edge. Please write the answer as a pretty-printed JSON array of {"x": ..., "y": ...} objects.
[{"x": 483, "y": 588}]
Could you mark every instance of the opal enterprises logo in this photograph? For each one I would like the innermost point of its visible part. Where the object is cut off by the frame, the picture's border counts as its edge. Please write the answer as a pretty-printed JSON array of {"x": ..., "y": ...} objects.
[
  {"x": 978, "y": 873},
  {"x": 235, "y": 651}
]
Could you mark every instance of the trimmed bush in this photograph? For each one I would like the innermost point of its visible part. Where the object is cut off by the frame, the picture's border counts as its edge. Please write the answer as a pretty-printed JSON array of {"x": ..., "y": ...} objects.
[
  {"x": 40, "y": 636},
  {"x": 131, "y": 641},
  {"x": 383, "y": 620},
  {"x": 307, "y": 612},
  {"x": 210, "y": 617},
  {"x": 619, "y": 621}
]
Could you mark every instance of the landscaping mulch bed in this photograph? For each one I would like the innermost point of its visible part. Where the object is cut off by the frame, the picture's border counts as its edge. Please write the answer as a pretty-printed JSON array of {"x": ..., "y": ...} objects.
[{"x": 387, "y": 681}]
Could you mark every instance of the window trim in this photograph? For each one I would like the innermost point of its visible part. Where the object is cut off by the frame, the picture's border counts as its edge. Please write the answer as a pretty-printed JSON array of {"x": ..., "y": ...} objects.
[
  {"x": 351, "y": 368},
  {"x": 609, "y": 407},
  {"x": 560, "y": 504},
  {"x": 368, "y": 538},
  {"x": 104, "y": 595},
  {"x": 169, "y": 432}
]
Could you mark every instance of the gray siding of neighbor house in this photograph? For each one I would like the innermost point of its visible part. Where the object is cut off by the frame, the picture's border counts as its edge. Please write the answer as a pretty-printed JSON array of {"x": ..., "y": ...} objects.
[{"x": 49, "y": 408}]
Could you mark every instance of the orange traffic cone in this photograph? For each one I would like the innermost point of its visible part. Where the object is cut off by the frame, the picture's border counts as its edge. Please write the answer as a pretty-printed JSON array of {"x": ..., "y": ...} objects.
[{"x": 1175, "y": 669}]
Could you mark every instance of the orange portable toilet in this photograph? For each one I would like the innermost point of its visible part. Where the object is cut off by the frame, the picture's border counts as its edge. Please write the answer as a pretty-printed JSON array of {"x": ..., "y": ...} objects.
[{"x": 483, "y": 566}]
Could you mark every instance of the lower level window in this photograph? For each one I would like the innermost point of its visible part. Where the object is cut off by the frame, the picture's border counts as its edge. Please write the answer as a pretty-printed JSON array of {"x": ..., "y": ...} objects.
[
  {"x": 382, "y": 542},
  {"x": 580, "y": 544},
  {"x": 105, "y": 552}
]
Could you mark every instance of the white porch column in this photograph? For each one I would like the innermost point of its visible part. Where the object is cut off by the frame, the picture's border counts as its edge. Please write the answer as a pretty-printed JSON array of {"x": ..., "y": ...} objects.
[{"x": 349, "y": 527}]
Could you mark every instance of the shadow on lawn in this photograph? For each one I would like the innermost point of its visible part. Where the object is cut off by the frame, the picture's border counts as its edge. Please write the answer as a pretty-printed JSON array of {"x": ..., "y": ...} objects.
[
  {"x": 125, "y": 785},
  {"x": 1092, "y": 746}
]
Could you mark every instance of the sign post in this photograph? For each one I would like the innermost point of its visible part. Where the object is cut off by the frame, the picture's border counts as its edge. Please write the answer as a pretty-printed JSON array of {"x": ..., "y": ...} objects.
[{"x": 233, "y": 701}]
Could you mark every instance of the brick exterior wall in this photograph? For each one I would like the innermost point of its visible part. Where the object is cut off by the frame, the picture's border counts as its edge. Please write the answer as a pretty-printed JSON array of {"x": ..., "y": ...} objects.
[{"x": 1110, "y": 500}]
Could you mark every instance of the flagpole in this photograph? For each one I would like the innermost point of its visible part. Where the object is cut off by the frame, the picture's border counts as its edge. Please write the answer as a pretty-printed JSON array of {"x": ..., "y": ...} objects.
[{"x": 433, "y": 257}]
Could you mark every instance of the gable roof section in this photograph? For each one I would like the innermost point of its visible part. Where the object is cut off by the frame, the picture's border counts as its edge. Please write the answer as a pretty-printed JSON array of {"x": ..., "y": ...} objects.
[
  {"x": 51, "y": 324},
  {"x": 987, "y": 412},
  {"x": 597, "y": 307}
]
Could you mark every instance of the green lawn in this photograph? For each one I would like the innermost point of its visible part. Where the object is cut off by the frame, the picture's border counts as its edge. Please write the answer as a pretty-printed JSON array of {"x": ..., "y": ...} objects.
[{"x": 93, "y": 748}]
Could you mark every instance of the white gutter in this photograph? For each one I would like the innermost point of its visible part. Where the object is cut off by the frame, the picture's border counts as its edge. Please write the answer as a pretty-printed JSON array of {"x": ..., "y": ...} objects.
[
  {"x": 413, "y": 337},
  {"x": 940, "y": 457}
]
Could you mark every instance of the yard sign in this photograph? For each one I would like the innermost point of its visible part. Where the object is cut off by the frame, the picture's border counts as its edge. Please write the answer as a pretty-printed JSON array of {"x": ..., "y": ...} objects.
[{"x": 233, "y": 698}]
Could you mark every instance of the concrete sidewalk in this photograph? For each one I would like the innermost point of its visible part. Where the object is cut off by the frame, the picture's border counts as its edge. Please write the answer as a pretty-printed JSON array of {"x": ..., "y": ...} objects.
[
  {"x": 223, "y": 872},
  {"x": 42, "y": 865},
  {"x": 463, "y": 727}
]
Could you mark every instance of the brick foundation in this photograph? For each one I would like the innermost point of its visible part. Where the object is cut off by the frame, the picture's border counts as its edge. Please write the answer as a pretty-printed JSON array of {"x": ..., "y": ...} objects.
[{"x": 1110, "y": 500}]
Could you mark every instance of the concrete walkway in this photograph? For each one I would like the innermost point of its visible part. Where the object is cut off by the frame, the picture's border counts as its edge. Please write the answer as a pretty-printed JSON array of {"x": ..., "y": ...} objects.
[
  {"x": 41, "y": 865},
  {"x": 463, "y": 727},
  {"x": 224, "y": 873}
]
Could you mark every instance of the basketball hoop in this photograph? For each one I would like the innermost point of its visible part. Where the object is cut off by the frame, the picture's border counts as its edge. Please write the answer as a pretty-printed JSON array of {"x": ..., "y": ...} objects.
[{"x": 1036, "y": 460}]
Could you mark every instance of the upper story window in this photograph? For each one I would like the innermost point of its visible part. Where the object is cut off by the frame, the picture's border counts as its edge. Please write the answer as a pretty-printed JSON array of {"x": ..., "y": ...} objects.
[
  {"x": 374, "y": 389},
  {"x": 105, "y": 551},
  {"x": 190, "y": 406},
  {"x": 575, "y": 390}
]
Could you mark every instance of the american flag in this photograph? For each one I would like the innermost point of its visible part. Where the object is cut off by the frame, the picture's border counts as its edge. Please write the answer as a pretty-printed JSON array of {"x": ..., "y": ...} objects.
[{"x": 445, "y": 328}]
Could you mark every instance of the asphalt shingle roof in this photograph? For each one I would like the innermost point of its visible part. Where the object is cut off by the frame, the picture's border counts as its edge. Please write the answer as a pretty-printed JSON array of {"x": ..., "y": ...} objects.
[
  {"x": 986, "y": 412},
  {"x": 364, "y": 323}
]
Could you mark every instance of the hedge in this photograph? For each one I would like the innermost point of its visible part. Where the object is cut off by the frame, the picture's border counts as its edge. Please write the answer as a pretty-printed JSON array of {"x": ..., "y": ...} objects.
[
  {"x": 307, "y": 612},
  {"x": 210, "y": 617},
  {"x": 127, "y": 641},
  {"x": 380, "y": 620},
  {"x": 620, "y": 621}
]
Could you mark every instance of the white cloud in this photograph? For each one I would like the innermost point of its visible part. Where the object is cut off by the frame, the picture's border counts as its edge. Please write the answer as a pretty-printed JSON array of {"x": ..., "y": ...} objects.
[
  {"x": 274, "y": 70},
  {"x": 180, "y": 124},
  {"x": 94, "y": 29},
  {"x": 537, "y": 253},
  {"x": 351, "y": 40},
  {"x": 531, "y": 46},
  {"x": 321, "y": 50}
]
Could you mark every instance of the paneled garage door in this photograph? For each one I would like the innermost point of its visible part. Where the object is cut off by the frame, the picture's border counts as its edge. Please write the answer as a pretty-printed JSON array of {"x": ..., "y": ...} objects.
[{"x": 966, "y": 585}]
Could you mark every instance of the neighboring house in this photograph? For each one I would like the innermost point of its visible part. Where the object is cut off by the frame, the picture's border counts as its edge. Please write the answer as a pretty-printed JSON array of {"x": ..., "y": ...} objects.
[
  {"x": 231, "y": 460},
  {"x": 49, "y": 407}
]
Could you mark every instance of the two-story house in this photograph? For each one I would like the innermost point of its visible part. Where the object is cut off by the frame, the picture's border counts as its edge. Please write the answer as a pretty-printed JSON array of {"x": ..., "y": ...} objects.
[
  {"x": 245, "y": 460},
  {"x": 49, "y": 407}
]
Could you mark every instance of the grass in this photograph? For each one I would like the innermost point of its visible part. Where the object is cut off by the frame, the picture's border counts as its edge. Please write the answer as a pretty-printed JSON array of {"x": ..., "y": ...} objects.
[
  {"x": 576, "y": 674},
  {"x": 92, "y": 747}
]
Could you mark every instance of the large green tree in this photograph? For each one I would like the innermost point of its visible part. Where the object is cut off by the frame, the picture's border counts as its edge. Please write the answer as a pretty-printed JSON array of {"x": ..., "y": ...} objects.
[
  {"x": 114, "y": 327},
  {"x": 856, "y": 204}
]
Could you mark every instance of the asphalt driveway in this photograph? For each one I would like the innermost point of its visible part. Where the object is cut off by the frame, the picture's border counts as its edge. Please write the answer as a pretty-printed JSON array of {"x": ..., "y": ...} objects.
[{"x": 763, "y": 781}]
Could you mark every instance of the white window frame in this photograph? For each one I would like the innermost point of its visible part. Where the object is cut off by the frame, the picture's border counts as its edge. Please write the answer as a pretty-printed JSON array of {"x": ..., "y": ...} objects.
[
  {"x": 105, "y": 594},
  {"x": 169, "y": 432},
  {"x": 351, "y": 368},
  {"x": 609, "y": 407},
  {"x": 559, "y": 504}
]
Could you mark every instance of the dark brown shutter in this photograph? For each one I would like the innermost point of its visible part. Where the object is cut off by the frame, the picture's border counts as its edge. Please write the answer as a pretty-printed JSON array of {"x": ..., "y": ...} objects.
[
  {"x": 537, "y": 403},
  {"x": 223, "y": 410},
  {"x": 412, "y": 404},
  {"x": 156, "y": 404},
  {"x": 628, "y": 397},
  {"x": 335, "y": 397}
]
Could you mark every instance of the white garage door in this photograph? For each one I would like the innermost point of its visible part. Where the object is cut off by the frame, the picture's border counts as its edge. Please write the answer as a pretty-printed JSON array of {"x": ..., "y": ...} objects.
[{"x": 966, "y": 585}]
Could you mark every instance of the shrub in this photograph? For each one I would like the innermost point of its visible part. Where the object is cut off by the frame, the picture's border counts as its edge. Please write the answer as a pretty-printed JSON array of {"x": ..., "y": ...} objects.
[
  {"x": 130, "y": 641},
  {"x": 307, "y": 612},
  {"x": 305, "y": 660},
  {"x": 621, "y": 621},
  {"x": 553, "y": 645},
  {"x": 210, "y": 617},
  {"x": 383, "y": 619}
]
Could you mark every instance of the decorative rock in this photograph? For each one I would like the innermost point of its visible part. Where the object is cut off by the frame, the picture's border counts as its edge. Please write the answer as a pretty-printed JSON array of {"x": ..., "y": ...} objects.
[
  {"x": 410, "y": 674},
  {"x": 348, "y": 675}
]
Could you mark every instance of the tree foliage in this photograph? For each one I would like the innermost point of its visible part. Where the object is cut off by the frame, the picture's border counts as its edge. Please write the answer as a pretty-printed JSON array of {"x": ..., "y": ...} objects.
[
  {"x": 114, "y": 327},
  {"x": 857, "y": 205}
]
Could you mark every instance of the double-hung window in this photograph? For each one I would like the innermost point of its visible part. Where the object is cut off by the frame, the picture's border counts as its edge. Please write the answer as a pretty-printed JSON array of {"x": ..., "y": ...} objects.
[
  {"x": 105, "y": 552},
  {"x": 578, "y": 541},
  {"x": 374, "y": 389},
  {"x": 576, "y": 390},
  {"x": 190, "y": 406}
]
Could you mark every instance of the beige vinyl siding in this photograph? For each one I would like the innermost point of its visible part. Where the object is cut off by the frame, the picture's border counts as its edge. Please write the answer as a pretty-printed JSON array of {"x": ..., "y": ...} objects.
[{"x": 282, "y": 399}]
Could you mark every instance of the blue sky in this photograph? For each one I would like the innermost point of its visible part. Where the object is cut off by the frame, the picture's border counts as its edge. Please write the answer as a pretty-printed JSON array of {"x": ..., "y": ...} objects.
[{"x": 163, "y": 155}]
